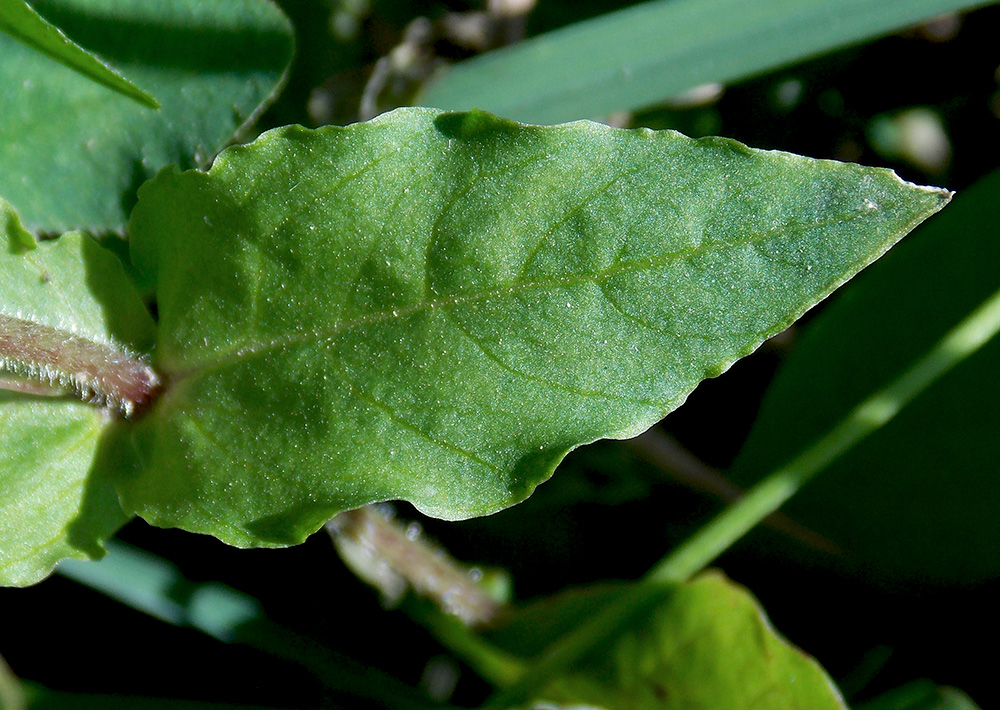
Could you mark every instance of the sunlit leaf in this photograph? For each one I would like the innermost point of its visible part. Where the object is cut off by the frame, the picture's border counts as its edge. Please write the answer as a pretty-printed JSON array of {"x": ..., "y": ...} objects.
[{"x": 438, "y": 307}]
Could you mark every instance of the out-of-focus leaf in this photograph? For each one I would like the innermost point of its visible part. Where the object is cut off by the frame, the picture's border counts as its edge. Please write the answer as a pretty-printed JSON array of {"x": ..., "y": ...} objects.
[
  {"x": 921, "y": 695},
  {"x": 919, "y": 498},
  {"x": 150, "y": 584},
  {"x": 19, "y": 20},
  {"x": 644, "y": 54},
  {"x": 11, "y": 692},
  {"x": 708, "y": 646},
  {"x": 438, "y": 307},
  {"x": 74, "y": 153}
]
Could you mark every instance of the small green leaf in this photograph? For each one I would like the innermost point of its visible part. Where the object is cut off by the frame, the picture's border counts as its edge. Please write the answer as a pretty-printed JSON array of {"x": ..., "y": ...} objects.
[
  {"x": 74, "y": 152},
  {"x": 438, "y": 307},
  {"x": 19, "y": 20},
  {"x": 709, "y": 645},
  {"x": 641, "y": 55},
  {"x": 57, "y": 497},
  {"x": 54, "y": 503},
  {"x": 917, "y": 500}
]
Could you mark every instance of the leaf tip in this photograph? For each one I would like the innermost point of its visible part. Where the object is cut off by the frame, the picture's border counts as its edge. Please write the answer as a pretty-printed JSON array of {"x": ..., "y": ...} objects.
[{"x": 938, "y": 196}]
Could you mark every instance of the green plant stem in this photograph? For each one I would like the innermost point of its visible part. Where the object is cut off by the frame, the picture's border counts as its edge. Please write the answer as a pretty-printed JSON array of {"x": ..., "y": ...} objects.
[
  {"x": 760, "y": 501},
  {"x": 634, "y": 603},
  {"x": 875, "y": 412},
  {"x": 491, "y": 663}
]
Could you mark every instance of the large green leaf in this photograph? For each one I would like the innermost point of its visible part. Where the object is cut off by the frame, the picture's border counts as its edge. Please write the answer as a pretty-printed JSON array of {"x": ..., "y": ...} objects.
[
  {"x": 917, "y": 499},
  {"x": 709, "y": 645},
  {"x": 19, "y": 20},
  {"x": 438, "y": 307},
  {"x": 74, "y": 152},
  {"x": 643, "y": 54},
  {"x": 57, "y": 496}
]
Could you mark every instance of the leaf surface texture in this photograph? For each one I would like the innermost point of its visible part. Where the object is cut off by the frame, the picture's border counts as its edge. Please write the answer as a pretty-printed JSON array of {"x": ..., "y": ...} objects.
[{"x": 438, "y": 307}]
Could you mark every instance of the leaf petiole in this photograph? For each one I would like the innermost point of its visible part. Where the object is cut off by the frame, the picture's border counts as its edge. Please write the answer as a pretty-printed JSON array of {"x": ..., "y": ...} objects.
[{"x": 46, "y": 360}]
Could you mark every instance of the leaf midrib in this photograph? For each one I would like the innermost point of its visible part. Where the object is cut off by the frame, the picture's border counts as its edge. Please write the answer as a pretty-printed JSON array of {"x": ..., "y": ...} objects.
[{"x": 516, "y": 289}]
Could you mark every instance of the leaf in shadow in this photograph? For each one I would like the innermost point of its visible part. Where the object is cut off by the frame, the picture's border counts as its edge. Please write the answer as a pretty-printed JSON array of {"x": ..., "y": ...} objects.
[{"x": 74, "y": 152}]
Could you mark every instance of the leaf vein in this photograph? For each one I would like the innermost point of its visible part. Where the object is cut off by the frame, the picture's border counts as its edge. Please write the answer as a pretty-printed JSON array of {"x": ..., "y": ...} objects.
[
  {"x": 537, "y": 379},
  {"x": 335, "y": 329},
  {"x": 372, "y": 401},
  {"x": 584, "y": 203},
  {"x": 632, "y": 318}
]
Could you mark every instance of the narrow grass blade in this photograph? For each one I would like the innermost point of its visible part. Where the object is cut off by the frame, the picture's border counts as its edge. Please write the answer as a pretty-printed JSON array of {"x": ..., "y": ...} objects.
[{"x": 641, "y": 55}]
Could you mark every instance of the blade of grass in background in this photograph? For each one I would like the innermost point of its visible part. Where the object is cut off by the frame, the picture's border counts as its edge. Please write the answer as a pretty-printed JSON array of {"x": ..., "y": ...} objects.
[
  {"x": 916, "y": 504},
  {"x": 647, "y": 53},
  {"x": 974, "y": 331},
  {"x": 19, "y": 20},
  {"x": 154, "y": 586}
]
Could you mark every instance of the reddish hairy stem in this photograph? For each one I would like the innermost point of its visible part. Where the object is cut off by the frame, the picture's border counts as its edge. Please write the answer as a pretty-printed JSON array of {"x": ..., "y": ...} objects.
[
  {"x": 61, "y": 360},
  {"x": 428, "y": 570}
]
